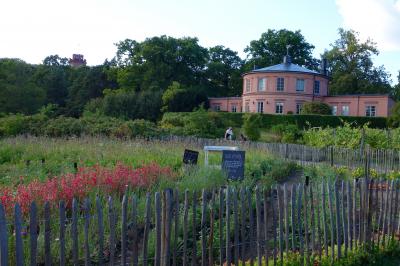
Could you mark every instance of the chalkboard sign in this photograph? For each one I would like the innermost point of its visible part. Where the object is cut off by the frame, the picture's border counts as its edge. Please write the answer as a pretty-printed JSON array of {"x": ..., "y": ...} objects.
[
  {"x": 233, "y": 164},
  {"x": 190, "y": 157}
]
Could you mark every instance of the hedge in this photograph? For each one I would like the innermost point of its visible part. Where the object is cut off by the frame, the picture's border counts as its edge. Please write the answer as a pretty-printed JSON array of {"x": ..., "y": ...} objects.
[{"x": 302, "y": 121}]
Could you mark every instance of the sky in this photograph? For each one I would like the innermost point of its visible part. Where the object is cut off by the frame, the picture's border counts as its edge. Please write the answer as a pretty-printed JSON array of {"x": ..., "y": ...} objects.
[{"x": 31, "y": 30}]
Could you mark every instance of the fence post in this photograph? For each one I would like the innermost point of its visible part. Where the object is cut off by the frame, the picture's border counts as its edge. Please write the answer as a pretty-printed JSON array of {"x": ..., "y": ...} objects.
[
  {"x": 185, "y": 227},
  {"x": 331, "y": 150},
  {"x": 86, "y": 232},
  {"x": 100, "y": 225},
  {"x": 111, "y": 217},
  {"x": 3, "y": 237},
  {"x": 33, "y": 232},
  {"x": 123, "y": 228},
  {"x": 146, "y": 228},
  {"x": 203, "y": 227},
  {"x": 19, "y": 249},
  {"x": 62, "y": 232},
  {"x": 228, "y": 227},
  {"x": 47, "y": 234},
  {"x": 74, "y": 231},
  {"x": 258, "y": 214},
  {"x": 157, "y": 207}
]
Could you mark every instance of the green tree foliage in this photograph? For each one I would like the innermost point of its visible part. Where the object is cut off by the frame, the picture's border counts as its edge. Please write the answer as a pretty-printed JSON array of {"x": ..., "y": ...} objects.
[
  {"x": 394, "y": 118},
  {"x": 180, "y": 99},
  {"x": 223, "y": 72},
  {"x": 127, "y": 105},
  {"x": 55, "y": 60},
  {"x": 352, "y": 68},
  {"x": 317, "y": 108},
  {"x": 252, "y": 124},
  {"x": 54, "y": 80},
  {"x": 87, "y": 83},
  {"x": 18, "y": 91},
  {"x": 156, "y": 62},
  {"x": 396, "y": 89},
  {"x": 271, "y": 48}
]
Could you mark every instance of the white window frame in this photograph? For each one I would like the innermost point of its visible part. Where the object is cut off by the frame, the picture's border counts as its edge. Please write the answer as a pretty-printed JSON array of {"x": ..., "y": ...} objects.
[
  {"x": 345, "y": 110},
  {"x": 280, "y": 84},
  {"x": 370, "y": 110},
  {"x": 334, "y": 109},
  {"x": 264, "y": 84},
  {"x": 279, "y": 108},
  {"x": 233, "y": 108},
  {"x": 298, "y": 83},
  {"x": 248, "y": 85},
  {"x": 247, "y": 107},
  {"x": 317, "y": 92},
  {"x": 260, "y": 107},
  {"x": 298, "y": 108}
]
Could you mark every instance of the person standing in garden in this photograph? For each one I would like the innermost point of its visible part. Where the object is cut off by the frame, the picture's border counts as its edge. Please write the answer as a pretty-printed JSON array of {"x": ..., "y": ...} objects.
[{"x": 229, "y": 133}]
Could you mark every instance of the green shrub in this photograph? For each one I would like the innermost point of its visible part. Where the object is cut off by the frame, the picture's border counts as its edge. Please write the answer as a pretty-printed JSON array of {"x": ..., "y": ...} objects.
[
  {"x": 319, "y": 108},
  {"x": 252, "y": 125},
  {"x": 287, "y": 133},
  {"x": 170, "y": 120}
]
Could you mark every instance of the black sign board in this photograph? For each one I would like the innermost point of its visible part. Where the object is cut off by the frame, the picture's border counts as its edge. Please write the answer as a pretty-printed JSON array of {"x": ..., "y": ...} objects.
[
  {"x": 190, "y": 157},
  {"x": 233, "y": 164}
]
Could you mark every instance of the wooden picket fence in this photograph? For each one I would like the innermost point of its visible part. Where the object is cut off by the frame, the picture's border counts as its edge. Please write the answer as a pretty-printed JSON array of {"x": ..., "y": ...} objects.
[
  {"x": 382, "y": 160},
  {"x": 229, "y": 225}
]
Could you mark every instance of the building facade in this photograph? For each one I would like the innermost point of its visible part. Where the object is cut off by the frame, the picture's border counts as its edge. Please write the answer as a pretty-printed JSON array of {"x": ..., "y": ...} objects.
[{"x": 284, "y": 88}]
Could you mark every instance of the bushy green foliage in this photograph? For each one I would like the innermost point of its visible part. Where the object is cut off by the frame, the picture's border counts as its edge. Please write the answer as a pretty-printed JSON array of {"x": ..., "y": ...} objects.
[
  {"x": 287, "y": 133},
  {"x": 394, "y": 118},
  {"x": 252, "y": 125},
  {"x": 302, "y": 121},
  {"x": 351, "y": 137},
  {"x": 316, "y": 108}
]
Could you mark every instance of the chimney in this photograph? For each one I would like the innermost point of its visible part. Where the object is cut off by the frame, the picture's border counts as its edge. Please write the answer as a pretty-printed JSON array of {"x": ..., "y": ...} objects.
[
  {"x": 287, "y": 59},
  {"x": 324, "y": 67}
]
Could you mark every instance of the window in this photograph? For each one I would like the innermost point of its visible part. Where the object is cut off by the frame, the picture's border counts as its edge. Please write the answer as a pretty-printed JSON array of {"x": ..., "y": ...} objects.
[
  {"x": 248, "y": 84},
  {"x": 261, "y": 84},
  {"x": 300, "y": 85},
  {"x": 260, "y": 107},
  {"x": 247, "y": 107},
  {"x": 280, "y": 84},
  {"x": 233, "y": 108},
  {"x": 298, "y": 108},
  {"x": 370, "y": 110},
  {"x": 217, "y": 108},
  {"x": 316, "y": 87},
  {"x": 279, "y": 108},
  {"x": 345, "y": 110},
  {"x": 334, "y": 110}
]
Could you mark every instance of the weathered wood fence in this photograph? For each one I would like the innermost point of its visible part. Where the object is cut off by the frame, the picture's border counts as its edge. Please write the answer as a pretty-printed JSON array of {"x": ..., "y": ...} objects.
[
  {"x": 382, "y": 160},
  {"x": 229, "y": 225}
]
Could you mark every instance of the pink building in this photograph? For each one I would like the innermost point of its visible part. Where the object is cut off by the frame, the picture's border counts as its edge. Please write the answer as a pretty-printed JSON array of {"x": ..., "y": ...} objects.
[{"x": 284, "y": 88}]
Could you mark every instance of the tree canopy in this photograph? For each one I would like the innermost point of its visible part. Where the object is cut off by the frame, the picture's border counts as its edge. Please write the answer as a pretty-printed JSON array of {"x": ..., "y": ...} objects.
[
  {"x": 272, "y": 47},
  {"x": 352, "y": 68}
]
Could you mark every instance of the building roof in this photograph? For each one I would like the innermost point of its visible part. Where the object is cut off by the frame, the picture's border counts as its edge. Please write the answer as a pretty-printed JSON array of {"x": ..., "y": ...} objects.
[{"x": 286, "y": 67}]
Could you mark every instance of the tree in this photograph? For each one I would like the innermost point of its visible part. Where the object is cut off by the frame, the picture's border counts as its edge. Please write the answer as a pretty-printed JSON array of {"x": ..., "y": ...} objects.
[
  {"x": 394, "y": 118},
  {"x": 55, "y": 60},
  {"x": 271, "y": 48},
  {"x": 18, "y": 91},
  {"x": 156, "y": 62},
  {"x": 87, "y": 83},
  {"x": 224, "y": 72},
  {"x": 251, "y": 125},
  {"x": 54, "y": 79},
  {"x": 318, "y": 108},
  {"x": 180, "y": 99},
  {"x": 352, "y": 67},
  {"x": 396, "y": 89}
]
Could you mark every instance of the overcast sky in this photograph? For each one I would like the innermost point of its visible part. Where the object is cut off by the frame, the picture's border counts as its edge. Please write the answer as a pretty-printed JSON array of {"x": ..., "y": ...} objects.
[{"x": 32, "y": 30}]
